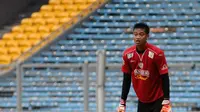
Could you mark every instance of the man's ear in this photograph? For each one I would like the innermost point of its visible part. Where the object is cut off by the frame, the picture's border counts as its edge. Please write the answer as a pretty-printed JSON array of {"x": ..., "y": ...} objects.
[{"x": 147, "y": 35}]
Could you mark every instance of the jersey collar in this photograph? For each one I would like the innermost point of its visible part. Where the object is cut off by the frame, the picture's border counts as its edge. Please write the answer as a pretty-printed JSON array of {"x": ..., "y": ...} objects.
[{"x": 146, "y": 46}]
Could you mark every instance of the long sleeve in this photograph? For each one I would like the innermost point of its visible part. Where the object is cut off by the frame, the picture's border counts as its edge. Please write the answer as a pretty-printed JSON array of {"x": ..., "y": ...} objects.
[
  {"x": 166, "y": 86},
  {"x": 126, "y": 86}
]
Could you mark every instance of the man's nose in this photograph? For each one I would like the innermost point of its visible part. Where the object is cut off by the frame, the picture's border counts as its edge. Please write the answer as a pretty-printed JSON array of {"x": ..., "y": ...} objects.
[{"x": 137, "y": 37}]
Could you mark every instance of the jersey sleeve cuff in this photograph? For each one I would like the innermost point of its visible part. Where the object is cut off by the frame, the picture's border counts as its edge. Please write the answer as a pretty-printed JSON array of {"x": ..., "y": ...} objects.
[{"x": 163, "y": 72}]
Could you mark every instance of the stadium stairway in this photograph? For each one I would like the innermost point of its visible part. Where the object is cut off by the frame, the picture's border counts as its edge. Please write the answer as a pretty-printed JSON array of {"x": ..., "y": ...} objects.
[{"x": 174, "y": 28}]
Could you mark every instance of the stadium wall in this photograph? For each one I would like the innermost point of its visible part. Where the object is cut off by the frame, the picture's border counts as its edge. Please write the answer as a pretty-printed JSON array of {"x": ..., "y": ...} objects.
[{"x": 10, "y": 8}]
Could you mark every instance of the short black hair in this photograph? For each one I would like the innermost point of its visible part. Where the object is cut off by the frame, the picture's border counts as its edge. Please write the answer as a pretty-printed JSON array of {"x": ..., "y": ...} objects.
[{"x": 142, "y": 26}]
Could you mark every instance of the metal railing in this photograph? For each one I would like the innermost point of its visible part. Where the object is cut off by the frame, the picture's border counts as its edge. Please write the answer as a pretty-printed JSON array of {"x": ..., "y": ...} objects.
[{"x": 100, "y": 69}]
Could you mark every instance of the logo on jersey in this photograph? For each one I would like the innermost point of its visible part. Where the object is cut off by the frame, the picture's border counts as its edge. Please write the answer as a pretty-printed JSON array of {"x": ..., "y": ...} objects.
[
  {"x": 164, "y": 67},
  {"x": 141, "y": 74},
  {"x": 132, "y": 61},
  {"x": 130, "y": 55},
  {"x": 151, "y": 55},
  {"x": 140, "y": 64},
  {"x": 160, "y": 55}
]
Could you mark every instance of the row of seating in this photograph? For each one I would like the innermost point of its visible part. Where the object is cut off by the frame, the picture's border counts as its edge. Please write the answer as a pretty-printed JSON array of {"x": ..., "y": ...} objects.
[
  {"x": 114, "y": 24},
  {"x": 63, "y": 8},
  {"x": 36, "y": 29},
  {"x": 161, "y": 5},
  {"x": 58, "y": 2},
  {"x": 182, "y": 41},
  {"x": 109, "y": 60},
  {"x": 151, "y": 1},
  {"x": 98, "y": 31},
  {"x": 44, "y": 16},
  {"x": 93, "y": 109},
  {"x": 148, "y": 18},
  {"x": 148, "y": 11},
  {"x": 112, "y": 54},
  {"x": 182, "y": 84},
  {"x": 120, "y": 47},
  {"x": 13, "y": 55},
  {"x": 127, "y": 37}
]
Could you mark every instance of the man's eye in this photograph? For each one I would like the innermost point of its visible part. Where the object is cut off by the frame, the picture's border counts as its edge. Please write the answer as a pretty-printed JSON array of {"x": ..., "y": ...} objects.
[{"x": 141, "y": 34}]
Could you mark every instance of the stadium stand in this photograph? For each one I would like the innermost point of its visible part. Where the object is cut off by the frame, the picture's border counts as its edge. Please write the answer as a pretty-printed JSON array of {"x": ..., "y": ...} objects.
[
  {"x": 174, "y": 25},
  {"x": 40, "y": 25}
]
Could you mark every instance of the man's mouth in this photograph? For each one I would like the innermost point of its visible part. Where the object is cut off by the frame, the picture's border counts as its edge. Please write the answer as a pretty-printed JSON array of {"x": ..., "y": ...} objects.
[{"x": 137, "y": 41}]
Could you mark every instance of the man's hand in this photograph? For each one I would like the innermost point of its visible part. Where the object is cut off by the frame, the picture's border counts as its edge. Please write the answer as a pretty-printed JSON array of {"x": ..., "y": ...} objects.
[
  {"x": 166, "y": 106},
  {"x": 122, "y": 106}
]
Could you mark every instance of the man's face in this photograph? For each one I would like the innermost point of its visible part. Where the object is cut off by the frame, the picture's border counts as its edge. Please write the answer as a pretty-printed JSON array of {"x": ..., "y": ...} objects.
[{"x": 140, "y": 36}]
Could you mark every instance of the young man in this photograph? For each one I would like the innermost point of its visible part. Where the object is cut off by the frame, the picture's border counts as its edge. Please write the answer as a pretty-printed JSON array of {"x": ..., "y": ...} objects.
[{"x": 145, "y": 66}]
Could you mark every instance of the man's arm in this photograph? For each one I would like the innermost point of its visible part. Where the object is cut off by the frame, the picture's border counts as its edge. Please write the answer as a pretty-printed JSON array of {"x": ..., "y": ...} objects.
[
  {"x": 166, "y": 90},
  {"x": 125, "y": 86},
  {"x": 125, "y": 90},
  {"x": 165, "y": 86}
]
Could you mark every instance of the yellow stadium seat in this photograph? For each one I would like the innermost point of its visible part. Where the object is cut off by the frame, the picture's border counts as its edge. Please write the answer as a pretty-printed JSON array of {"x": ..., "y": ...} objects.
[
  {"x": 64, "y": 20},
  {"x": 80, "y": 1},
  {"x": 39, "y": 21},
  {"x": 54, "y": 2},
  {"x": 34, "y": 36},
  {"x": 26, "y": 21},
  {"x": 72, "y": 14},
  {"x": 2, "y": 43},
  {"x": 21, "y": 36},
  {"x": 14, "y": 52},
  {"x": 3, "y": 51},
  {"x": 46, "y": 8},
  {"x": 55, "y": 27},
  {"x": 49, "y": 15},
  {"x": 52, "y": 21},
  {"x": 68, "y": 2},
  {"x": 15, "y": 56},
  {"x": 24, "y": 49},
  {"x": 9, "y": 36},
  {"x": 37, "y": 15},
  {"x": 11, "y": 43},
  {"x": 91, "y": 1},
  {"x": 18, "y": 29},
  {"x": 31, "y": 29},
  {"x": 43, "y": 29},
  {"x": 71, "y": 8},
  {"x": 62, "y": 15},
  {"x": 5, "y": 59},
  {"x": 82, "y": 7},
  {"x": 34, "y": 42},
  {"x": 44, "y": 35},
  {"x": 24, "y": 45},
  {"x": 59, "y": 8}
]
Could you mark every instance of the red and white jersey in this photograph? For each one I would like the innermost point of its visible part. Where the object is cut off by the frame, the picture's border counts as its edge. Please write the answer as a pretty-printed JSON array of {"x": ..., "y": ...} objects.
[{"x": 146, "y": 69}]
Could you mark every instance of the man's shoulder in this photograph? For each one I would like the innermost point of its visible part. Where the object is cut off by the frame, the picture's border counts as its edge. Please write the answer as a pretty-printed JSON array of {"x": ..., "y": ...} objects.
[
  {"x": 155, "y": 49},
  {"x": 129, "y": 50}
]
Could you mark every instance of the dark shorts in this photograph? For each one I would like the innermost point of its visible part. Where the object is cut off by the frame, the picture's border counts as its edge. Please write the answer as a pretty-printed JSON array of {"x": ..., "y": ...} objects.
[{"x": 155, "y": 106}]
